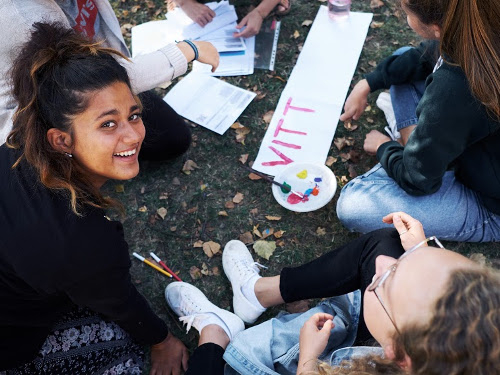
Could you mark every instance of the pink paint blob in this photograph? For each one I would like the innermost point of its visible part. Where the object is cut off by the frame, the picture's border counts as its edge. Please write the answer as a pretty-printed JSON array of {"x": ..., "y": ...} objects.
[{"x": 294, "y": 199}]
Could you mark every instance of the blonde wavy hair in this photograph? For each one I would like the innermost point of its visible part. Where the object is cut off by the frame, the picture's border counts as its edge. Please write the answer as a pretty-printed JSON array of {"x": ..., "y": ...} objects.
[{"x": 462, "y": 337}]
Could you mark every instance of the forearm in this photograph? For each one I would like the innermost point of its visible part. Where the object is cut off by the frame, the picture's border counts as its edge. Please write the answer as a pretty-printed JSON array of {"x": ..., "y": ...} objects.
[{"x": 266, "y": 6}]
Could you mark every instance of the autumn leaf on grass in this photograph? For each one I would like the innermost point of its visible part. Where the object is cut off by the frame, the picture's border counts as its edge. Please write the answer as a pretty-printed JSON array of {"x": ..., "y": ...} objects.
[
  {"x": 350, "y": 126},
  {"x": 211, "y": 248},
  {"x": 307, "y": 23},
  {"x": 241, "y": 133},
  {"x": 376, "y": 25},
  {"x": 264, "y": 249},
  {"x": 229, "y": 205},
  {"x": 268, "y": 116},
  {"x": 243, "y": 158},
  {"x": 320, "y": 231},
  {"x": 252, "y": 176},
  {"x": 142, "y": 209},
  {"x": 341, "y": 181},
  {"x": 189, "y": 166},
  {"x": 236, "y": 125},
  {"x": 192, "y": 210},
  {"x": 195, "y": 273},
  {"x": 279, "y": 233},
  {"x": 120, "y": 188},
  {"x": 330, "y": 160},
  {"x": 163, "y": 196},
  {"x": 374, "y": 4},
  {"x": 254, "y": 211},
  {"x": 297, "y": 307},
  {"x": 198, "y": 243},
  {"x": 162, "y": 212},
  {"x": 273, "y": 218},
  {"x": 222, "y": 213},
  {"x": 176, "y": 181},
  {"x": 296, "y": 34},
  {"x": 340, "y": 143},
  {"x": 246, "y": 238},
  {"x": 267, "y": 232},
  {"x": 256, "y": 231},
  {"x": 238, "y": 198}
]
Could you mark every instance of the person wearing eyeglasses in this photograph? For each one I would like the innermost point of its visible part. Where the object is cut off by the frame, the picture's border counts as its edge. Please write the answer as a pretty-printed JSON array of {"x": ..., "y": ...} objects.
[{"x": 422, "y": 308}]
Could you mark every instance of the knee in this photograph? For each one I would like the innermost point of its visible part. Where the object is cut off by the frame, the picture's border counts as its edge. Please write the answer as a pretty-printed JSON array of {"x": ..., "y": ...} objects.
[{"x": 346, "y": 210}]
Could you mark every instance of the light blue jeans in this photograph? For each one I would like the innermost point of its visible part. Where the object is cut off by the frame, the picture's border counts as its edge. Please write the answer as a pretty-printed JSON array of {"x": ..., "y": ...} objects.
[{"x": 453, "y": 213}]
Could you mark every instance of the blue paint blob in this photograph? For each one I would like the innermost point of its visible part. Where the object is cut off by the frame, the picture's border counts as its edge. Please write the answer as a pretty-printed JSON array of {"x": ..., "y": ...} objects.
[
  {"x": 308, "y": 192},
  {"x": 318, "y": 179}
]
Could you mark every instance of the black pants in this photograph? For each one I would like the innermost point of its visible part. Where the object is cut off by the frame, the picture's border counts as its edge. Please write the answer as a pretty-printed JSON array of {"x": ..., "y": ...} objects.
[
  {"x": 167, "y": 135},
  {"x": 343, "y": 270}
]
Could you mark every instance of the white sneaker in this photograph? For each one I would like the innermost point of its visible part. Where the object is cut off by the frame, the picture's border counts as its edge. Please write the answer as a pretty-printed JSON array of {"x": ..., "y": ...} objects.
[
  {"x": 239, "y": 268},
  {"x": 194, "y": 308},
  {"x": 384, "y": 102}
]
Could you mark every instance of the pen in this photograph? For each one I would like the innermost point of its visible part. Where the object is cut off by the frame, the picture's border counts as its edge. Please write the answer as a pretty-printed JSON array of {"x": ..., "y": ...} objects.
[
  {"x": 142, "y": 259},
  {"x": 158, "y": 260}
]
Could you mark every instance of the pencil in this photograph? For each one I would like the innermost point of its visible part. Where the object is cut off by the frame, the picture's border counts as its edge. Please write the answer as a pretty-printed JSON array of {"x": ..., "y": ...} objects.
[
  {"x": 155, "y": 257},
  {"x": 269, "y": 179},
  {"x": 142, "y": 259}
]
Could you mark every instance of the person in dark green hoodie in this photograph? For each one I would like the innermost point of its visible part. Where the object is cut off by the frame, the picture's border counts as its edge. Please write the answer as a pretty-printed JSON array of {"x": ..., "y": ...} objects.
[{"x": 444, "y": 103}]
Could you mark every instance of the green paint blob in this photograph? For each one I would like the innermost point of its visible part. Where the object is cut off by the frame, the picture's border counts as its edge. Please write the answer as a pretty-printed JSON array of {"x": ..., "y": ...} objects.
[{"x": 286, "y": 191}]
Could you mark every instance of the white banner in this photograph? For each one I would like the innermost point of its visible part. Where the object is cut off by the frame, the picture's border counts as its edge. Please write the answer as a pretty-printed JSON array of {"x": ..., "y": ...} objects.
[{"x": 309, "y": 108}]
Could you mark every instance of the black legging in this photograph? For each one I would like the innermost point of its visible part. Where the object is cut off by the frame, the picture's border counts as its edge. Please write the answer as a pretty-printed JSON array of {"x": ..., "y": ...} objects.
[
  {"x": 343, "y": 270},
  {"x": 167, "y": 135}
]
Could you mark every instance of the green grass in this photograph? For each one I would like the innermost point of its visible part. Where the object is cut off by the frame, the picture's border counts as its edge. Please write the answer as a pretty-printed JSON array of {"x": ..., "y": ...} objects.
[{"x": 217, "y": 156}]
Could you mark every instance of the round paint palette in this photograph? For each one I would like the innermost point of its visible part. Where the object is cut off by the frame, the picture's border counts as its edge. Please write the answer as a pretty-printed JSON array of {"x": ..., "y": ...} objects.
[{"x": 314, "y": 183}]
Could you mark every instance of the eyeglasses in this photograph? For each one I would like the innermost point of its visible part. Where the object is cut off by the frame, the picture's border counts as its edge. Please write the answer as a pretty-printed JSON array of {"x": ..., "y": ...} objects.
[{"x": 379, "y": 281}]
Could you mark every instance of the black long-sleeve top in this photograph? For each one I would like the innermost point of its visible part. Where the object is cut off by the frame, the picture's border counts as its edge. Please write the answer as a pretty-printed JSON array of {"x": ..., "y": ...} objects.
[
  {"x": 455, "y": 131},
  {"x": 52, "y": 259}
]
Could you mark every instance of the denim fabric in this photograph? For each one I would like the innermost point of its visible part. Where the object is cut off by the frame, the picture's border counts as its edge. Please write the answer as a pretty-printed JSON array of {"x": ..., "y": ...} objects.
[
  {"x": 346, "y": 354},
  {"x": 272, "y": 347},
  {"x": 453, "y": 213},
  {"x": 405, "y": 99}
]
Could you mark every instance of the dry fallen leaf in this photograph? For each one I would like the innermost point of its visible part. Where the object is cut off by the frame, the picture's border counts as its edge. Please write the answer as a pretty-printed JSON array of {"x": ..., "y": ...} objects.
[
  {"x": 120, "y": 188},
  {"x": 211, "y": 248},
  {"x": 253, "y": 176},
  {"x": 142, "y": 209},
  {"x": 256, "y": 231},
  {"x": 173, "y": 229},
  {"x": 246, "y": 238},
  {"x": 330, "y": 160},
  {"x": 296, "y": 34},
  {"x": 192, "y": 210},
  {"x": 307, "y": 23},
  {"x": 229, "y": 205},
  {"x": 198, "y": 243},
  {"x": 163, "y": 196},
  {"x": 162, "y": 212},
  {"x": 189, "y": 166},
  {"x": 236, "y": 125},
  {"x": 241, "y": 133},
  {"x": 376, "y": 25},
  {"x": 320, "y": 231},
  {"x": 350, "y": 126},
  {"x": 273, "y": 218},
  {"x": 279, "y": 233},
  {"x": 264, "y": 249},
  {"x": 215, "y": 271},
  {"x": 243, "y": 158},
  {"x": 268, "y": 116},
  {"x": 176, "y": 181},
  {"x": 222, "y": 213},
  {"x": 204, "y": 270},
  {"x": 267, "y": 232},
  {"x": 374, "y": 4},
  {"x": 195, "y": 273},
  {"x": 254, "y": 211},
  {"x": 238, "y": 198},
  {"x": 340, "y": 143}
]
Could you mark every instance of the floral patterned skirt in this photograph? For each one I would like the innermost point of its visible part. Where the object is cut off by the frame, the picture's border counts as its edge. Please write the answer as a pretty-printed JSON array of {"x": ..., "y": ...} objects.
[{"x": 83, "y": 343}]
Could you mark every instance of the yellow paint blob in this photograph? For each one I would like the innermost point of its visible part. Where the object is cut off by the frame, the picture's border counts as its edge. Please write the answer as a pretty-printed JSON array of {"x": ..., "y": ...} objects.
[{"x": 302, "y": 174}]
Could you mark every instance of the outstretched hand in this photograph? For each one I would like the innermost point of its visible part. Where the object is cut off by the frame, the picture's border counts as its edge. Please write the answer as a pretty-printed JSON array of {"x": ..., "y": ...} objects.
[
  {"x": 314, "y": 336},
  {"x": 410, "y": 230},
  {"x": 199, "y": 13},
  {"x": 355, "y": 103},
  {"x": 168, "y": 356},
  {"x": 252, "y": 21}
]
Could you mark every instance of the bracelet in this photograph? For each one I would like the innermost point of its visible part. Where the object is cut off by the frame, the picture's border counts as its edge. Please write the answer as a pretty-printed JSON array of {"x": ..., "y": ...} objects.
[{"x": 193, "y": 46}]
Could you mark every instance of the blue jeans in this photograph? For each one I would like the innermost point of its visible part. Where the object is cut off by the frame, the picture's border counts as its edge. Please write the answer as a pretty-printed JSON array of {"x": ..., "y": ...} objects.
[{"x": 452, "y": 213}]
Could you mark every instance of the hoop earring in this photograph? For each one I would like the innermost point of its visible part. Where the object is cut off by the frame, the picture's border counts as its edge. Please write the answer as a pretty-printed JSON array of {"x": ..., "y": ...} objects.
[{"x": 68, "y": 154}]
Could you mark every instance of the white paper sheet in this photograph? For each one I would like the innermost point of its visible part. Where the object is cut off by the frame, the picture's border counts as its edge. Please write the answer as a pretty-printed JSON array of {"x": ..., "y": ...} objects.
[
  {"x": 208, "y": 101},
  {"x": 309, "y": 108}
]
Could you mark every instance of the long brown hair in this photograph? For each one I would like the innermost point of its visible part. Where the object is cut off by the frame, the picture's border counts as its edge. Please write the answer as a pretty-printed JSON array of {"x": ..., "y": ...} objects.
[
  {"x": 470, "y": 37},
  {"x": 462, "y": 337},
  {"x": 51, "y": 78}
]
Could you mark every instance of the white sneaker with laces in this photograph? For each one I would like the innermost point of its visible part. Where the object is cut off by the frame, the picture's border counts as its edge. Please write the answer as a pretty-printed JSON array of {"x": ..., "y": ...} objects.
[
  {"x": 384, "y": 102},
  {"x": 195, "y": 310},
  {"x": 239, "y": 268}
]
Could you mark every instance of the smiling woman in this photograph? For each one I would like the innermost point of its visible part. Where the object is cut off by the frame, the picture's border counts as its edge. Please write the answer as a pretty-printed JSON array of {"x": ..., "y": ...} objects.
[{"x": 68, "y": 304}]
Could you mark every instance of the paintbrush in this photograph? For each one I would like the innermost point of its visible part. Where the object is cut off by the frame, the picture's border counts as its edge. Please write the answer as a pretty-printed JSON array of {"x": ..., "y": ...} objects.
[{"x": 269, "y": 179}]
